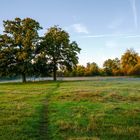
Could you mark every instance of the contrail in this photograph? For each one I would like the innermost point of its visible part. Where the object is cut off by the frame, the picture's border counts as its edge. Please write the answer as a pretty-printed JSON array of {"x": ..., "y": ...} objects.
[{"x": 135, "y": 13}]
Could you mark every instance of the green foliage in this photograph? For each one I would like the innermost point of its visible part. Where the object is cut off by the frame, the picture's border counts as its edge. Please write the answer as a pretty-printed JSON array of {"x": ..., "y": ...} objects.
[
  {"x": 59, "y": 51},
  {"x": 92, "y": 69},
  {"x": 23, "y": 52},
  {"x": 18, "y": 46},
  {"x": 112, "y": 67},
  {"x": 41, "y": 68},
  {"x": 79, "y": 70}
]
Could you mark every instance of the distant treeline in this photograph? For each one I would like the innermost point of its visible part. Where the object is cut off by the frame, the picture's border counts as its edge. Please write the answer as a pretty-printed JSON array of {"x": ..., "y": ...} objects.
[{"x": 128, "y": 65}]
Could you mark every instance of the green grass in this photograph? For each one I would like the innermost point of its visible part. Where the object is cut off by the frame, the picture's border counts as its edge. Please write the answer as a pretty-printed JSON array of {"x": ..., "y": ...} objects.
[{"x": 74, "y": 110}]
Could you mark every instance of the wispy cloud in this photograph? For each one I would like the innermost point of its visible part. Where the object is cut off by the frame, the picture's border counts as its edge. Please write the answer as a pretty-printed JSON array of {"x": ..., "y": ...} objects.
[
  {"x": 132, "y": 36},
  {"x": 134, "y": 9},
  {"x": 111, "y": 35},
  {"x": 78, "y": 28}
]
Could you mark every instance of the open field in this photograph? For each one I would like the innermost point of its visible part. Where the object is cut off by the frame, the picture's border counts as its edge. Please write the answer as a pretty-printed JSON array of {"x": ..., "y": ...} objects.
[{"x": 101, "y": 109}]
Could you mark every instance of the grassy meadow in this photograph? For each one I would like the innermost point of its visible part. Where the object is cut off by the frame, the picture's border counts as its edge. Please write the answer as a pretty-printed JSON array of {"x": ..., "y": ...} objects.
[{"x": 106, "y": 109}]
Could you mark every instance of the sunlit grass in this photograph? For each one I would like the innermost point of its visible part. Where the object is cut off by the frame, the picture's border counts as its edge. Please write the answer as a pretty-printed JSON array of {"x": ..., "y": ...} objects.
[
  {"x": 76, "y": 110},
  {"x": 21, "y": 110},
  {"x": 95, "y": 110}
]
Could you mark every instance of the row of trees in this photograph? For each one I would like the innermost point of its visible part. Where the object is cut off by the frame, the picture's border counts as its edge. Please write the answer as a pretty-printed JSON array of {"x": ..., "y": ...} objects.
[
  {"x": 24, "y": 52},
  {"x": 129, "y": 64}
]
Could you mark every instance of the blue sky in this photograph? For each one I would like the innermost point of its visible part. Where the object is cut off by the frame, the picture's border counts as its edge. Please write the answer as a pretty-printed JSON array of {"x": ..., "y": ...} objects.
[{"x": 102, "y": 28}]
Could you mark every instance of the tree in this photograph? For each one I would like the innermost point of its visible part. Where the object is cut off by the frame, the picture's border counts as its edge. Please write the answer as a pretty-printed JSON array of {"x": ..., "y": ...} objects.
[
  {"x": 108, "y": 66},
  {"x": 41, "y": 68},
  {"x": 18, "y": 46},
  {"x": 92, "y": 69},
  {"x": 116, "y": 67},
  {"x": 112, "y": 66},
  {"x": 59, "y": 51},
  {"x": 135, "y": 70},
  {"x": 79, "y": 70},
  {"x": 128, "y": 60}
]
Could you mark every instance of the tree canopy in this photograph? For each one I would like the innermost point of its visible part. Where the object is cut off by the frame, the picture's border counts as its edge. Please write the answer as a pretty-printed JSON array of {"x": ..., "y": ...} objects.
[
  {"x": 128, "y": 60},
  {"x": 18, "y": 45},
  {"x": 112, "y": 66},
  {"x": 60, "y": 52},
  {"x": 23, "y": 52}
]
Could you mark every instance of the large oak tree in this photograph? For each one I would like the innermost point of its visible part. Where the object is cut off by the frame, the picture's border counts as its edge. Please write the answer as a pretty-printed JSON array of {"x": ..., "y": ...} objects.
[
  {"x": 60, "y": 52},
  {"x": 18, "y": 46}
]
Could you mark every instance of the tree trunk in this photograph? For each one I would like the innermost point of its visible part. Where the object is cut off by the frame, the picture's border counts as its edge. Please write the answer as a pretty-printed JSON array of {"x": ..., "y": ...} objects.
[
  {"x": 23, "y": 77},
  {"x": 54, "y": 73}
]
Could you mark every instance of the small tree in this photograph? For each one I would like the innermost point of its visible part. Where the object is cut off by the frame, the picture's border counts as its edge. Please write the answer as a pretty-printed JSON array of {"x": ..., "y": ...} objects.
[
  {"x": 59, "y": 51},
  {"x": 112, "y": 66},
  {"x": 79, "y": 70},
  {"x": 128, "y": 60},
  {"x": 18, "y": 46},
  {"x": 91, "y": 69}
]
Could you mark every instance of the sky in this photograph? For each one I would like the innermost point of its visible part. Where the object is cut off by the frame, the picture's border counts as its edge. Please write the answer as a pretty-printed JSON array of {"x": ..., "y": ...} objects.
[{"x": 103, "y": 29}]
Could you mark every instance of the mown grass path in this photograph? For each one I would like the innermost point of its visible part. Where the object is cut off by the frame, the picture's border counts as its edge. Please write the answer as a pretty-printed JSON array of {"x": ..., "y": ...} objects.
[
  {"x": 23, "y": 110},
  {"x": 44, "y": 113}
]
